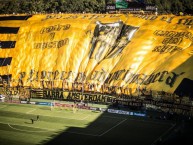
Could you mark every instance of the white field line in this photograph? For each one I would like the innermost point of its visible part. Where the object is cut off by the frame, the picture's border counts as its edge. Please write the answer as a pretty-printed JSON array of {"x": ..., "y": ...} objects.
[
  {"x": 72, "y": 118},
  {"x": 81, "y": 133},
  {"x": 112, "y": 127},
  {"x": 85, "y": 117},
  {"x": 88, "y": 134},
  {"x": 148, "y": 121},
  {"x": 114, "y": 117},
  {"x": 30, "y": 111},
  {"x": 164, "y": 134},
  {"x": 45, "y": 129},
  {"x": 3, "y": 107},
  {"x": 27, "y": 130}
]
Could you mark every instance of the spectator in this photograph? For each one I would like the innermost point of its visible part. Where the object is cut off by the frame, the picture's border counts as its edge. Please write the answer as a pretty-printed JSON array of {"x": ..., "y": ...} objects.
[
  {"x": 38, "y": 117},
  {"x": 32, "y": 120}
]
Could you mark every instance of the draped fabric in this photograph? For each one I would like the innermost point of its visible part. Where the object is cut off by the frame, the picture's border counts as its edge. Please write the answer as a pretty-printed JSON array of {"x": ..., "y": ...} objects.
[{"x": 97, "y": 50}]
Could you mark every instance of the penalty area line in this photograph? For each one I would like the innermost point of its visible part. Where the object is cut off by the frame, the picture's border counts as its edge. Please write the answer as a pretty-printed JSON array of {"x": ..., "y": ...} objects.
[
  {"x": 68, "y": 118},
  {"x": 28, "y": 112},
  {"x": 43, "y": 129},
  {"x": 81, "y": 133},
  {"x": 112, "y": 127},
  {"x": 26, "y": 130},
  {"x": 162, "y": 135},
  {"x": 3, "y": 107}
]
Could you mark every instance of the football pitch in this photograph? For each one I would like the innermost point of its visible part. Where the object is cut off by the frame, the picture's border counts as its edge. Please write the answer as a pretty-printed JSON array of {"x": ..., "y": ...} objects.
[{"x": 64, "y": 126}]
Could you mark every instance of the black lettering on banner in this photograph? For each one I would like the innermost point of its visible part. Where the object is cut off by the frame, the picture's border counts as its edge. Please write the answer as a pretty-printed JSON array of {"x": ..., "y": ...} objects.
[
  {"x": 166, "y": 49},
  {"x": 80, "y": 77},
  {"x": 49, "y": 75},
  {"x": 102, "y": 76},
  {"x": 56, "y": 75},
  {"x": 46, "y": 77},
  {"x": 185, "y": 21},
  {"x": 91, "y": 98},
  {"x": 47, "y": 94},
  {"x": 52, "y": 35},
  {"x": 88, "y": 32},
  {"x": 43, "y": 74},
  {"x": 53, "y": 94},
  {"x": 21, "y": 76},
  {"x": 172, "y": 40},
  {"x": 119, "y": 74},
  {"x": 180, "y": 35},
  {"x": 76, "y": 96},
  {"x": 142, "y": 79},
  {"x": 190, "y": 22},
  {"x": 61, "y": 96},
  {"x": 56, "y": 94},
  {"x": 94, "y": 75},
  {"x": 146, "y": 17},
  {"x": 171, "y": 79},
  {"x": 168, "y": 20},
  {"x": 63, "y": 75},
  {"x": 129, "y": 77},
  {"x": 69, "y": 97},
  {"x": 70, "y": 75},
  {"x": 153, "y": 17},
  {"x": 54, "y": 28},
  {"x": 110, "y": 99},
  {"x": 115, "y": 75},
  {"x": 48, "y": 84},
  {"x": 135, "y": 79},
  {"x": 162, "y": 76},
  {"x": 176, "y": 49},
  {"x": 98, "y": 76},
  {"x": 63, "y": 42},
  {"x": 71, "y": 17},
  {"x": 98, "y": 98},
  {"x": 103, "y": 99},
  {"x": 189, "y": 36},
  {"x": 37, "y": 45},
  {"x": 149, "y": 79},
  {"x": 155, "y": 77},
  {"x": 32, "y": 72},
  {"x": 107, "y": 81},
  {"x": 86, "y": 98},
  {"x": 36, "y": 78},
  {"x": 53, "y": 44},
  {"x": 66, "y": 27}
]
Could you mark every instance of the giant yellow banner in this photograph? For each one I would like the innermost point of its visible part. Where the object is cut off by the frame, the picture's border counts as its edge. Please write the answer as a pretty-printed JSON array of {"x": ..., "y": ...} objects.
[{"x": 96, "y": 51}]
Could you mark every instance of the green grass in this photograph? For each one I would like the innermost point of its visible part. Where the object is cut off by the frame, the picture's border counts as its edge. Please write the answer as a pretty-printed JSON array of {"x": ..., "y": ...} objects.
[{"x": 85, "y": 127}]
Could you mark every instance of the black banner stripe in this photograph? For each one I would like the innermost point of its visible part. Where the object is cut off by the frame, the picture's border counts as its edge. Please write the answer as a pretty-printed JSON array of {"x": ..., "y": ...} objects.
[
  {"x": 4, "y": 78},
  {"x": 9, "y": 30},
  {"x": 7, "y": 44},
  {"x": 5, "y": 61},
  {"x": 5, "y": 18}
]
